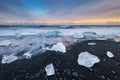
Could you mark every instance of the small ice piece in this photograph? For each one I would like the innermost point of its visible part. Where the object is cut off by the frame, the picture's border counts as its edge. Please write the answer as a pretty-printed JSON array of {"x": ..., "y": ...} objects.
[
  {"x": 18, "y": 35},
  {"x": 27, "y": 55},
  {"x": 110, "y": 54},
  {"x": 59, "y": 47},
  {"x": 8, "y": 59},
  {"x": 86, "y": 59},
  {"x": 5, "y": 43},
  {"x": 91, "y": 43},
  {"x": 50, "y": 70}
]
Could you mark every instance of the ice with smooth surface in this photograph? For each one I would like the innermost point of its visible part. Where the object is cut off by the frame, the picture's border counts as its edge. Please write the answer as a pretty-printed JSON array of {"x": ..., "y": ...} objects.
[
  {"x": 110, "y": 54},
  {"x": 50, "y": 70},
  {"x": 5, "y": 43},
  {"x": 91, "y": 43},
  {"x": 27, "y": 55},
  {"x": 8, "y": 59},
  {"x": 91, "y": 35},
  {"x": 59, "y": 47},
  {"x": 87, "y": 59}
]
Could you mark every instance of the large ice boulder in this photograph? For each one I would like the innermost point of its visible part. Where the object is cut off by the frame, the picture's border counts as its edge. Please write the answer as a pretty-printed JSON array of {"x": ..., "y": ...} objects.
[
  {"x": 59, "y": 47},
  {"x": 87, "y": 59},
  {"x": 50, "y": 70},
  {"x": 5, "y": 43},
  {"x": 8, "y": 59}
]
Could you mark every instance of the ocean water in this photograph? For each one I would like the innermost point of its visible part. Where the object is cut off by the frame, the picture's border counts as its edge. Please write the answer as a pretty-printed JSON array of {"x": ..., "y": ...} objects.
[{"x": 34, "y": 30}]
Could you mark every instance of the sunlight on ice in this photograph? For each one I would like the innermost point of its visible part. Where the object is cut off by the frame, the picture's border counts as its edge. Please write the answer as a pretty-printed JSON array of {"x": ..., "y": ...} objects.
[
  {"x": 50, "y": 70},
  {"x": 86, "y": 59}
]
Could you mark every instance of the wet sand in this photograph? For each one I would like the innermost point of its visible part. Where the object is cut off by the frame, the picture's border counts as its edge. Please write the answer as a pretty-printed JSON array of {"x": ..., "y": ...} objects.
[{"x": 65, "y": 64}]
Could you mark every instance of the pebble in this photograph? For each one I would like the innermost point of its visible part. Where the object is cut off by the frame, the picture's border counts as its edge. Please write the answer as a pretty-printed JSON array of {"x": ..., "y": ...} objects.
[{"x": 75, "y": 74}]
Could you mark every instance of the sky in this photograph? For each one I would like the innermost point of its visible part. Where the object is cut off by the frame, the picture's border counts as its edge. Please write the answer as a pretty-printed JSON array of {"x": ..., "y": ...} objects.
[{"x": 60, "y": 12}]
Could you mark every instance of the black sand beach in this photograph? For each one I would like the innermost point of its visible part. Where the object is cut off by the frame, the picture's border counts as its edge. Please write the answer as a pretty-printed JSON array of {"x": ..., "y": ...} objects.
[{"x": 65, "y": 64}]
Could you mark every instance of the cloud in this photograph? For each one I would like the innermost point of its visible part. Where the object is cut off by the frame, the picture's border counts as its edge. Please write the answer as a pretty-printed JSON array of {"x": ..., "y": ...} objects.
[
  {"x": 59, "y": 11},
  {"x": 12, "y": 9}
]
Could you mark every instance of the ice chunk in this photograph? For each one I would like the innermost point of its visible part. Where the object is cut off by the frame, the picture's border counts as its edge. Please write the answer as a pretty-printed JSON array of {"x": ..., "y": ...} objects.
[
  {"x": 86, "y": 59},
  {"x": 8, "y": 58},
  {"x": 50, "y": 70},
  {"x": 89, "y": 35},
  {"x": 111, "y": 36},
  {"x": 27, "y": 55},
  {"x": 53, "y": 33},
  {"x": 5, "y": 43},
  {"x": 18, "y": 35},
  {"x": 117, "y": 39},
  {"x": 76, "y": 35},
  {"x": 57, "y": 33},
  {"x": 40, "y": 35},
  {"x": 110, "y": 54},
  {"x": 91, "y": 43},
  {"x": 52, "y": 41},
  {"x": 59, "y": 47}
]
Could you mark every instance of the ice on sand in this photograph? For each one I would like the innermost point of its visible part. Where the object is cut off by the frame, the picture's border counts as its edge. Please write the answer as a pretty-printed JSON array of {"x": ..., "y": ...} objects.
[
  {"x": 27, "y": 55},
  {"x": 91, "y": 43},
  {"x": 110, "y": 54},
  {"x": 86, "y": 59},
  {"x": 59, "y": 47},
  {"x": 50, "y": 70},
  {"x": 5, "y": 43},
  {"x": 8, "y": 59}
]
